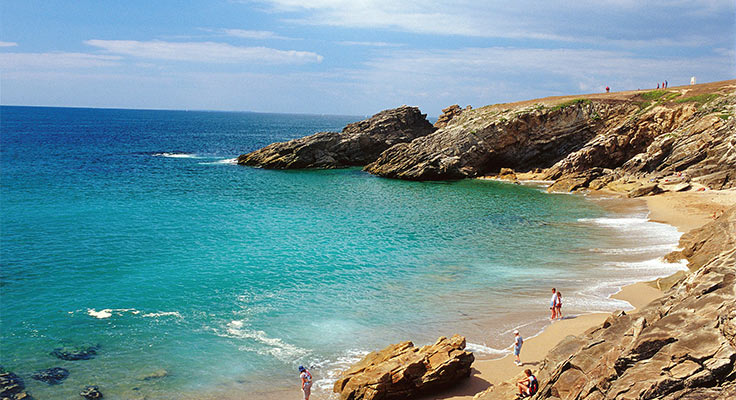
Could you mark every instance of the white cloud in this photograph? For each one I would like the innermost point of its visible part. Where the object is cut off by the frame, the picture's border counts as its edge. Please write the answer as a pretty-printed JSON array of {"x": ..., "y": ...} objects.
[
  {"x": 7, "y": 44},
  {"x": 208, "y": 52},
  {"x": 20, "y": 61},
  {"x": 248, "y": 34},
  {"x": 370, "y": 44},
  {"x": 521, "y": 19}
]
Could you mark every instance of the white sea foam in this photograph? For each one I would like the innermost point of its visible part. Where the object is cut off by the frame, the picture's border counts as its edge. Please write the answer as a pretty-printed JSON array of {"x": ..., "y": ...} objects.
[
  {"x": 230, "y": 161},
  {"x": 616, "y": 222},
  {"x": 664, "y": 247},
  {"x": 264, "y": 344},
  {"x": 175, "y": 155},
  {"x": 108, "y": 312},
  {"x": 485, "y": 350},
  {"x": 163, "y": 314},
  {"x": 331, "y": 369}
]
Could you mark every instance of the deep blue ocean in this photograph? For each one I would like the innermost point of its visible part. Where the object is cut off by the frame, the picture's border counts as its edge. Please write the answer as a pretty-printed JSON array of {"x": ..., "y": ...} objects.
[{"x": 135, "y": 231}]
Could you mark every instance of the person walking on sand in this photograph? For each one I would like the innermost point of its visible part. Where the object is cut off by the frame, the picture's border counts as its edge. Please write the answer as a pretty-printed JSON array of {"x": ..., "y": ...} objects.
[
  {"x": 553, "y": 305},
  {"x": 558, "y": 307},
  {"x": 528, "y": 386},
  {"x": 518, "y": 341},
  {"x": 306, "y": 378}
]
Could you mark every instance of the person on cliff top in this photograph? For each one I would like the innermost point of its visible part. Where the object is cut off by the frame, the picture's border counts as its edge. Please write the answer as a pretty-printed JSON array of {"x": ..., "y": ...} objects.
[
  {"x": 553, "y": 305},
  {"x": 529, "y": 385},
  {"x": 608, "y": 89},
  {"x": 558, "y": 306},
  {"x": 518, "y": 342},
  {"x": 306, "y": 378}
]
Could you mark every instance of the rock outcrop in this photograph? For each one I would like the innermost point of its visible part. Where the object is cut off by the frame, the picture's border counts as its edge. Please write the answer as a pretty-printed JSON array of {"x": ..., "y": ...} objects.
[
  {"x": 91, "y": 393},
  {"x": 484, "y": 140},
  {"x": 358, "y": 144},
  {"x": 681, "y": 346},
  {"x": 12, "y": 387},
  {"x": 401, "y": 370}
]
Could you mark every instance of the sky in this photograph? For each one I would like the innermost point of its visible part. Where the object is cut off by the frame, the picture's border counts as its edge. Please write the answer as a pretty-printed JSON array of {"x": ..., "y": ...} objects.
[{"x": 352, "y": 57}]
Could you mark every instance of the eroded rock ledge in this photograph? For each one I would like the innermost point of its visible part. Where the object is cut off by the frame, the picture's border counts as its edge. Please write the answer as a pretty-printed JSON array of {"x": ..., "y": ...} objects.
[
  {"x": 358, "y": 144},
  {"x": 401, "y": 370}
]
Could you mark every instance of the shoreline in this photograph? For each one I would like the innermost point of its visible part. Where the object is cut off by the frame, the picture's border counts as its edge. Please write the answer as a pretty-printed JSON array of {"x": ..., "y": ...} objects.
[{"x": 685, "y": 211}]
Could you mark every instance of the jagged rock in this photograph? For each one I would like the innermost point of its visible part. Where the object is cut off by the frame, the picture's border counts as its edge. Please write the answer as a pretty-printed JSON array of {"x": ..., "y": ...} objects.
[
  {"x": 447, "y": 115},
  {"x": 681, "y": 346},
  {"x": 358, "y": 144},
  {"x": 12, "y": 386},
  {"x": 52, "y": 376},
  {"x": 482, "y": 141},
  {"x": 401, "y": 370},
  {"x": 75, "y": 353},
  {"x": 91, "y": 393}
]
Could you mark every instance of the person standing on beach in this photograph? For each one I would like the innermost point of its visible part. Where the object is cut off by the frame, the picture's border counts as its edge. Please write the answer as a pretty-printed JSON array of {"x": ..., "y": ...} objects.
[
  {"x": 553, "y": 305},
  {"x": 306, "y": 378},
  {"x": 518, "y": 341},
  {"x": 558, "y": 307}
]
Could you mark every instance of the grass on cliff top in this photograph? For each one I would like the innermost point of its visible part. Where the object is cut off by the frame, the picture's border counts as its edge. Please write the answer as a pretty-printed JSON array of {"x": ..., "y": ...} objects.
[
  {"x": 653, "y": 95},
  {"x": 700, "y": 99},
  {"x": 566, "y": 104}
]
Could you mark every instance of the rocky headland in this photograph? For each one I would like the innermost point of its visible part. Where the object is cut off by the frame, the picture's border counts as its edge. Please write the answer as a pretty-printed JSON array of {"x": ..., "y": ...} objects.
[{"x": 358, "y": 144}]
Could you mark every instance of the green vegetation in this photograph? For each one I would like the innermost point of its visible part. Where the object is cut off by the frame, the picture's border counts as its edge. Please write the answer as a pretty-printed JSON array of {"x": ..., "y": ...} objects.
[
  {"x": 699, "y": 99},
  {"x": 671, "y": 96},
  {"x": 724, "y": 116},
  {"x": 566, "y": 104},
  {"x": 653, "y": 95},
  {"x": 502, "y": 119}
]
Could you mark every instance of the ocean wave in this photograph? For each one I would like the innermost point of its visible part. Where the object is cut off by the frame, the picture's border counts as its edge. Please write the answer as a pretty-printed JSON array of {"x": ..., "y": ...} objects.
[
  {"x": 636, "y": 250},
  {"x": 230, "y": 161},
  {"x": 331, "y": 369},
  {"x": 175, "y": 155},
  {"x": 275, "y": 347},
  {"x": 108, "y": 312},
  {"x": 163, "y": 314},
  {"x": 616, "y": 222},
  {"x": 485, "y": 350}
]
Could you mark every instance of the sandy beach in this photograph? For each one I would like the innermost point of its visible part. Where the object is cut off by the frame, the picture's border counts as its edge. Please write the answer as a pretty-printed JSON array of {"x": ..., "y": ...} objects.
[{"x": 685, "y": 211}]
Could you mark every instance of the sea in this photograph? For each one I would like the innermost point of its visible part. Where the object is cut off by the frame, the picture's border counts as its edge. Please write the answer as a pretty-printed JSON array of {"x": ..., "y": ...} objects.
[{"x": 134, "y": 231}]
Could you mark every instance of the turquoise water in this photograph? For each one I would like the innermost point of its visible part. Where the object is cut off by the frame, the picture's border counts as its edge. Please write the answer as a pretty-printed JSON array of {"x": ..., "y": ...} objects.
[{"x": 135, "y": 231}]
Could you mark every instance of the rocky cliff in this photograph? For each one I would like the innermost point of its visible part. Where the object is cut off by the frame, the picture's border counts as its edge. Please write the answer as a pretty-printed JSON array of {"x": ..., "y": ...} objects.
[
  {"x": 620, "y": 141},
  {"x": 681, "y": 346},
  {"x": 358, "y": 143}
]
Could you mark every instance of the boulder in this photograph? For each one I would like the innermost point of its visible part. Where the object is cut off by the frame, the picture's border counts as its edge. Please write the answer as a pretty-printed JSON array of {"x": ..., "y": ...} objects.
[
  {"x": 91, "y": 393},
  {"x": 52, "y": 376},
  {"x": 507, "y": 174},
  {"x": 401, "y": 370},
  {"x": 75, "y": 353},
  {"x": 646, "y": 190},
  {"x": 358, "y": 144}
]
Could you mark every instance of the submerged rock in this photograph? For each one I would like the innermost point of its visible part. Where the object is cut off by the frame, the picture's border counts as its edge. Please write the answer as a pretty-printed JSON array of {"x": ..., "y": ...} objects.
[
  {"x": 157, "y": 374},
  {"x": 52, "y": 376},
  {"x": 91, "y": 393},
  {"x": 358, "y": 144},
  {"x": 12, "y": 386},
  {"x": 401, "y": 370},
  {"x": 75, "y": 353}
]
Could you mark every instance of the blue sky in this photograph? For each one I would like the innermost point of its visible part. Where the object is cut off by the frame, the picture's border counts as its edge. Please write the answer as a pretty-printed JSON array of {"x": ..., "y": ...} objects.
[{"x": 352, "y": 57}]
